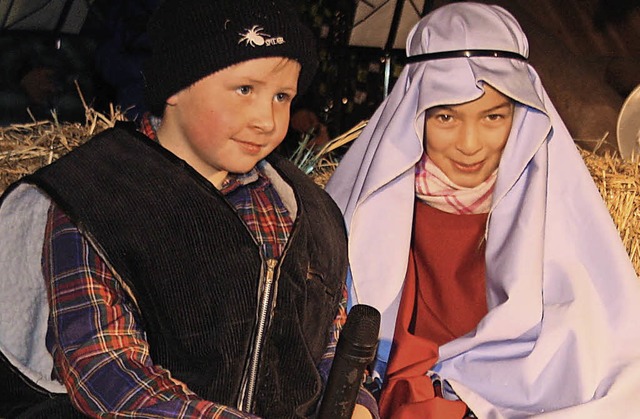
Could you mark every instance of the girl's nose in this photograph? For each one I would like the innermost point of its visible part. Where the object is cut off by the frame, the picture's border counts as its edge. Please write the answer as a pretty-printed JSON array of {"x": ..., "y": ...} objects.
[{"x": 469, "y": 142}]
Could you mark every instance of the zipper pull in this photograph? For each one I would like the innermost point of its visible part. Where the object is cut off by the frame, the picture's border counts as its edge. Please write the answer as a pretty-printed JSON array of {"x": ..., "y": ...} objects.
[{"x": 271, "y": 269}]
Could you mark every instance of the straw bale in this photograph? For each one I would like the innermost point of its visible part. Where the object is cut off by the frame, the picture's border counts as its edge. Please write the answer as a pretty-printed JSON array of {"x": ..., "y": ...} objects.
[
  {"x": 618, "y": 181},
  {"x": 27, "y": 147}
]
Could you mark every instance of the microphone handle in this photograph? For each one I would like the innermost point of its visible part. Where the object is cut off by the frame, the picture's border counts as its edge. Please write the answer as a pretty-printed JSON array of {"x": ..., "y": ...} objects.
[{"x": 343, "y": 385}]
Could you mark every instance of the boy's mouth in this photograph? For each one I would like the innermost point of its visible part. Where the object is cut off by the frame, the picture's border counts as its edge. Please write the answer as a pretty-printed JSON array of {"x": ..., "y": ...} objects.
[{"x": 249, "y": 147}]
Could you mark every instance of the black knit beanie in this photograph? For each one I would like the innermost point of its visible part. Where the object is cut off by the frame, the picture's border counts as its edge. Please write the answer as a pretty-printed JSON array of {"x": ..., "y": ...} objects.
[{"x": 191, "y": 39}]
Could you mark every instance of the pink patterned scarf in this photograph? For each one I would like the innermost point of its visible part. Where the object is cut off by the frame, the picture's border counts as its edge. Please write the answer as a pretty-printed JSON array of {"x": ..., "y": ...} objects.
[{"x": 437, "y": 190}]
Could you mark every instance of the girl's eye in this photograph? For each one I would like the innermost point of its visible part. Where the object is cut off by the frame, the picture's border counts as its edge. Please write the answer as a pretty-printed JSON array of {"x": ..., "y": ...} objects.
[
  {"x": 244, "y": 90},
  {"x": 497, "y": 117},
  {"x": 444, "y": 118}
]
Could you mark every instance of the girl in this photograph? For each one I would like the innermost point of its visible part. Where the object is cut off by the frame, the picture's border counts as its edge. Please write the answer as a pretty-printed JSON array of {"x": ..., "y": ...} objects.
[{"x": 476, "y": 230}]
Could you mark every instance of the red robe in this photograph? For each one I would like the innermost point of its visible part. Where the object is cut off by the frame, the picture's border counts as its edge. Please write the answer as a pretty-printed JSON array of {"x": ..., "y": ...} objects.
[{"x": 443, "y": 298}]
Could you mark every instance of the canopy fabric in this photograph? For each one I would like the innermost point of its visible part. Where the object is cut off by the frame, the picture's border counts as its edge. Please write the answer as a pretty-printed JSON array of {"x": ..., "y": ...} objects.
[
  {"x": 64, "y": 16},
  {"x": 385, "y": 24}
]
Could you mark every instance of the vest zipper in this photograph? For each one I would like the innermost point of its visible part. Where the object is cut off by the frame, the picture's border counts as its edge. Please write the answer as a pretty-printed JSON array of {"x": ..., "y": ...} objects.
[{"x": 265, "y": 307}]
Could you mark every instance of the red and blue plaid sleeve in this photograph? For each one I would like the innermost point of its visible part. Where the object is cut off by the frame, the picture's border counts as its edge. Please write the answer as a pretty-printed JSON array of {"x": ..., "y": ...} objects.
[{"x": 100, "y": 352}]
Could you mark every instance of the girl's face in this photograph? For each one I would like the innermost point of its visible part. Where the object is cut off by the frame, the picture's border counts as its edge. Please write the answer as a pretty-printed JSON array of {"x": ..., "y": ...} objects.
[
  {"x": 231, "y": 119},
  {"x": 466, "y": 141}
]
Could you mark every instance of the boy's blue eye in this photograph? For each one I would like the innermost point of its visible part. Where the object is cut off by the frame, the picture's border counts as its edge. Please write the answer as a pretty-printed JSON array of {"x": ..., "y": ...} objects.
[
  {"x": 244, "y": 90},
  {"x": 282, "y": 97}
]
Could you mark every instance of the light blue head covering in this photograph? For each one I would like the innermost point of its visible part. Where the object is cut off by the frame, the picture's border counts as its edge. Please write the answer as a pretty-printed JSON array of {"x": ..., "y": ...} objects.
[{"x": 562, "y": 294}]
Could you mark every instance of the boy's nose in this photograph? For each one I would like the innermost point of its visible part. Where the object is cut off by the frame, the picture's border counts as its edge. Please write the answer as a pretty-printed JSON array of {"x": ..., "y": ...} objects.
[
  {"x": 469, "y": 141},
  {"x": 263, "y": 117}
]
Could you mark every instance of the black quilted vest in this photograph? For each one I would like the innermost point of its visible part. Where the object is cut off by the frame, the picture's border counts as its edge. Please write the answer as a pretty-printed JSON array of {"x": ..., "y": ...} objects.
[{"x": 193, "y": 267}]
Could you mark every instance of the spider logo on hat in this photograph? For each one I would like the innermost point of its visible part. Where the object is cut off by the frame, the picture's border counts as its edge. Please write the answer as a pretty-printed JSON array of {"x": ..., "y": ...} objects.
[{"x": 254, "y": 36}]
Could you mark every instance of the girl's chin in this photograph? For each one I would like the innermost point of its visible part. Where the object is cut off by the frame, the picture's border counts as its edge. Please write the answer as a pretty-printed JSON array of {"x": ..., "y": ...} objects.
[{"x": 469, "y": 181}]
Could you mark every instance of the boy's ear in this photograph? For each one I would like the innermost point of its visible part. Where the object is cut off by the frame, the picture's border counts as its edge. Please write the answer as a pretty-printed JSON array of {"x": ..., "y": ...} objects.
[{"x": 172, "y": 100}]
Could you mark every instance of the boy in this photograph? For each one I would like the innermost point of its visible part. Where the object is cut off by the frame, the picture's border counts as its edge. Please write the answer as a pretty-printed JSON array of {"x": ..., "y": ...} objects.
[{"x": 189, "y": 273}]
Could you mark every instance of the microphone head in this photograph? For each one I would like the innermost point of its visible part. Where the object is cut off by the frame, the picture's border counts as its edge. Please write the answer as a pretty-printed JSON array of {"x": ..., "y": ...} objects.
[{"x": 362, "y": 326}]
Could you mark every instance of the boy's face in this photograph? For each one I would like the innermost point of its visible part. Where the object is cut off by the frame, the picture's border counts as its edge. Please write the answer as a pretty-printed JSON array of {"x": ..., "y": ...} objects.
[
  {"x": 466, "y": 141},
  {"x": 231, "y": 119}
]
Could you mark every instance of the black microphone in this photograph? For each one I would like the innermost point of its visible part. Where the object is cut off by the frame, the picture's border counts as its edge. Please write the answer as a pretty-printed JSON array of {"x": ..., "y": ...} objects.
[{"x": 355, "y": 350}]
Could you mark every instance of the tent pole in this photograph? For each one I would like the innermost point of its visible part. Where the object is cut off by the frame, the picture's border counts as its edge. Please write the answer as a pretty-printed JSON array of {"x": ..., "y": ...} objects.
[
  {"x": 63, "y": 16},
  {"x": 428, "y": 6},
  {"x": 393, "y": 31},
  {"x": 387, "y": 73}
]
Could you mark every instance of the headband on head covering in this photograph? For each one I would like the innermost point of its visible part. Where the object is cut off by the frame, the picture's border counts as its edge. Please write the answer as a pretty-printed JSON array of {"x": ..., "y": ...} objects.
[{"x": 465, "y": 53}]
